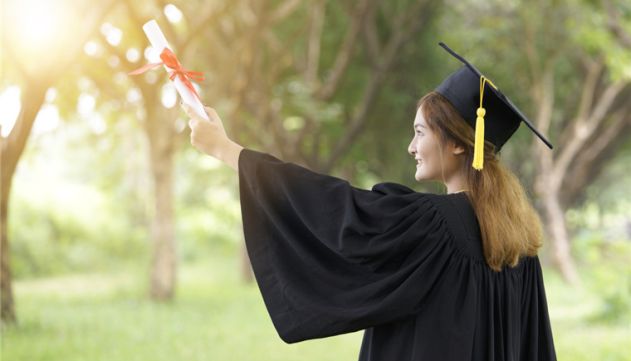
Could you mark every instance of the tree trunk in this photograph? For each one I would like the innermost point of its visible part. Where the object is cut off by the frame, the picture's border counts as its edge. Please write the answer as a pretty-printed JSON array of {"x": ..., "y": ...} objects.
[
  {"x": 548, "y": 181},
  {"x": 12, "y": 148},
  {"x": 554, "y": 220},
  {"x": 557, "y": 229},
  {"x": 8, "y": 310},
  {"x": 161, "y": 136}
]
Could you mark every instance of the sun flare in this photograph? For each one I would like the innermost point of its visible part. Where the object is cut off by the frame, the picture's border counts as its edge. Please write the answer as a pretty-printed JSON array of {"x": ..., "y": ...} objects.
[{"x": 35, "y": 28}]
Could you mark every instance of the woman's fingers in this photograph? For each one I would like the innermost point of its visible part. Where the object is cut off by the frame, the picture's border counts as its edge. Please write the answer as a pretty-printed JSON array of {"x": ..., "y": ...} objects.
[
  {"x": 190, "y": 112},
  {"x": 212, "y": 114},
  {"x": 210, "y": 111},
  {"x": 197, "y": 121},
  {"x": 206, "y": 136}
]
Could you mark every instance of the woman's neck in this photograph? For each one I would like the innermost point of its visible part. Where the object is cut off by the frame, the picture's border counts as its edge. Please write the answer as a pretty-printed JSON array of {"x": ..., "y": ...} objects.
[{"x": 455, "y": 186}]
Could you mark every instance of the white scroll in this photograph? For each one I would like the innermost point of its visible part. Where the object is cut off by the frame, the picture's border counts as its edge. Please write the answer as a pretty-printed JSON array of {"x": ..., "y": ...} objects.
[{"x": 158, "y": 43}]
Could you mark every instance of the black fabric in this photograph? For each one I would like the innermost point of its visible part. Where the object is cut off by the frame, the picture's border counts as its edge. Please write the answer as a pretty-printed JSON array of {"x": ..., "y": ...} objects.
[{"x": 330, "y": 258}]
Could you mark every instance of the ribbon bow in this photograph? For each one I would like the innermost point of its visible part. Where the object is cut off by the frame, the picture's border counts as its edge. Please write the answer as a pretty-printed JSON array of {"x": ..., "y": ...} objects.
[{"x": 170, "y": 60}]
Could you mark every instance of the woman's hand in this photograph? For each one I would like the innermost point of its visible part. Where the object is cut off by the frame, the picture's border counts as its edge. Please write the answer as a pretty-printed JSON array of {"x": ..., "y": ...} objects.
[
  {"x": 206, "y": 136},
  {"x": 210, "y": 136}
]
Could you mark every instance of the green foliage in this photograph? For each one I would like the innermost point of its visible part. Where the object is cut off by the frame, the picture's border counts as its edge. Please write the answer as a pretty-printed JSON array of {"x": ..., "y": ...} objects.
[
  {"x": 75, "y": 229},
  {"x": 576, "y": 335},
  {"x": 601, "y": 242},
  {"x": 609, "y": 276},
  {"x": 87, "y": 218},
  {"x": 593, "y": 32},
  {"x": 207, "y": 209}
]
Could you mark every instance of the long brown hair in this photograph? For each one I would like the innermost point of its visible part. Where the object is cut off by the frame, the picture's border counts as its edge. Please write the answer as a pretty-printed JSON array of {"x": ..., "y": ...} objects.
[{"x": 509, "y": 224}]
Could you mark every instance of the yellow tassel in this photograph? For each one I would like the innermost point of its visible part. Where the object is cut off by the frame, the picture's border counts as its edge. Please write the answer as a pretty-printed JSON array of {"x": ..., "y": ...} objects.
[{"x": 478, "y": 149}]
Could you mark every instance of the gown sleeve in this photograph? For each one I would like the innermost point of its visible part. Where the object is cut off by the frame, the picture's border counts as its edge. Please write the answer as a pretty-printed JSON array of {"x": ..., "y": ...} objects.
[{"x": 330, "y": 258}]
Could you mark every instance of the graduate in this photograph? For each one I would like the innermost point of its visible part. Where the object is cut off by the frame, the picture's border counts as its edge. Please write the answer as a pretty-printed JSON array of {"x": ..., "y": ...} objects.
[{"x": 451, "y": 276}]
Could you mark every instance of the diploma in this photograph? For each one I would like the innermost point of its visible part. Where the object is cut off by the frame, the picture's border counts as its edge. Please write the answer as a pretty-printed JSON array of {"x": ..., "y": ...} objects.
[{"x": 179, "y": 76}]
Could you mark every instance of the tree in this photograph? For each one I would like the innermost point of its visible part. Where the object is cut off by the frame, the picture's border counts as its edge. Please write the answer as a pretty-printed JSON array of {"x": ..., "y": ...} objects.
[
  {"x": 158, "y": 124},
  {"x": 571, "y": 72},
  {"x": 595, "y": 122},
  {"x": 290, "y": 88},
  {"x": 34, "y": 82}
]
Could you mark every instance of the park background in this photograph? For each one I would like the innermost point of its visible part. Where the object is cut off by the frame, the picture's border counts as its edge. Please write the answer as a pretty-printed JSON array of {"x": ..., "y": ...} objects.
[{"x": 120, "y": 241}]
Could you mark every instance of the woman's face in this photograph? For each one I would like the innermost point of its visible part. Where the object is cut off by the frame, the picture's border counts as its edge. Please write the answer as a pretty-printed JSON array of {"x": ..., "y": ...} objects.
[{"x": 432, "y": 161}]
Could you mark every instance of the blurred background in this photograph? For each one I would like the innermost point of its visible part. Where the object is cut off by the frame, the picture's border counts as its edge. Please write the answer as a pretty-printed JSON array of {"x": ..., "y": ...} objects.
[{"x": 120, "y": 241}]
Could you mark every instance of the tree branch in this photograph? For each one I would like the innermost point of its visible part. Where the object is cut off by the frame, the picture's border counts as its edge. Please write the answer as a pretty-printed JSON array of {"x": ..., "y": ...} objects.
[
  {"x": 591, "y": 161},
  {"x": 314, "y": 40},
  {"x": 284, "y": 10},
  {"x": 417, "y": 15},
  {"x": 583, "y": 128},
  {"x": 343, "y": 56},
  {"x": 615, "y": 26},
  {"x": 371, "y": 38},
  {"x": 594, "y": 70}
]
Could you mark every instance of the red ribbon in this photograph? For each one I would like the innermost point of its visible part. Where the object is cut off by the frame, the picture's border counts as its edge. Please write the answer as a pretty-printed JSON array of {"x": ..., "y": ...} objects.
[{"x": 170, "y": 60}]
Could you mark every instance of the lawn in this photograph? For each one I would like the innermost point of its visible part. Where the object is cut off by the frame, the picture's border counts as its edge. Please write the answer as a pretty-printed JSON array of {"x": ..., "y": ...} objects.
[{"x": 216, "y": 317}]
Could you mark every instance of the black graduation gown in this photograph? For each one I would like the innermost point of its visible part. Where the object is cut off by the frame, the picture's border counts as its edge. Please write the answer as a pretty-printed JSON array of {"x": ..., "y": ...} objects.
[{"x": 330, "y": 258}]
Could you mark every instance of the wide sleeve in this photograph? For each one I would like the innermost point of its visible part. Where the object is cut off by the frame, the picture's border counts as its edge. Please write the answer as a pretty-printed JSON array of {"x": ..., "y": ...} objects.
[{"x": 331, "y": 258}]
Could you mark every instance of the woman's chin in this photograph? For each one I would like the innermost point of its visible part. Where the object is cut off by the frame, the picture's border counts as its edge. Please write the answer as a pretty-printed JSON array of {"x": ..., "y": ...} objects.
[{"x": 421, "y": 174}]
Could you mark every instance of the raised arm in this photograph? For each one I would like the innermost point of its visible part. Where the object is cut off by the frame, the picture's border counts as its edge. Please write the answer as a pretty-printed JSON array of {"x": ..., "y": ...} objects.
[
  {"x": 229, "y": 154},
  {"x": 332, "y": 258},
  {"x": 210, "y": 137}
]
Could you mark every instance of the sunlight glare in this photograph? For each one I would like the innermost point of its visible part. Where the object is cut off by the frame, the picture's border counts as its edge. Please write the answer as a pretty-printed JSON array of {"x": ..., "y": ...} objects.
[
  {"x": 10, "y": 106},
  {"x": 47, "y": 119},
  {"x": 86, "y": 104},
  {"x": 173, "y": 13},
  {"x": 37, "y": 27},
  {"x": 133, "y": 55},
  {"x": 169, "y": 95},
  {"x": 112, "y": 34},
  {"x": 91, "y": 48}
]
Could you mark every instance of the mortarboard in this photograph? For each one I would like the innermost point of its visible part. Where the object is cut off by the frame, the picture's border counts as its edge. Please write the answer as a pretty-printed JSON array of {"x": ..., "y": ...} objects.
[{"x": 466, "y": 89}]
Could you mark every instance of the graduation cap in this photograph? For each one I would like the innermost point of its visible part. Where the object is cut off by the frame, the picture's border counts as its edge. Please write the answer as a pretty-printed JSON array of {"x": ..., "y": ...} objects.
[{"x": 477, "y": 100}]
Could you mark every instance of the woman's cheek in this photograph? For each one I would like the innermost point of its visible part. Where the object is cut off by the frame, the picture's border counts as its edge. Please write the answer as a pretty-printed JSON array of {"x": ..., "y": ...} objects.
[{"x": 426, "y": 161}]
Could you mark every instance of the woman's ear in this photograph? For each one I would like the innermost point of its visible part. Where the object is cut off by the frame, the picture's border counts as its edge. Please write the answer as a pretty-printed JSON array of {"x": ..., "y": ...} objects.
[{"x": 456, "y": 149}]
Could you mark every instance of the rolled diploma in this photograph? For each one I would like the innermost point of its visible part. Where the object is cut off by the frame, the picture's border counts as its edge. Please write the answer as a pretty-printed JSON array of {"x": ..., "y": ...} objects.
[{"x": 159, "y": 42}]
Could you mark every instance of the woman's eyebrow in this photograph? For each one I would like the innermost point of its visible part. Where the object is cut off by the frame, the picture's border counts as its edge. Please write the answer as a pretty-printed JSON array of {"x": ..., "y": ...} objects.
[{"x": 419, "y": 125}]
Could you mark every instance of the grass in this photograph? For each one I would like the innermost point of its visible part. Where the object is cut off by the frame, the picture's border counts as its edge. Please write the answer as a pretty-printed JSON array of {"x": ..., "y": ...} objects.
[
  {"x": 107, "y": 317},
  {"x": 576, "y": 337},
  {"x": 216, "y": 317}
]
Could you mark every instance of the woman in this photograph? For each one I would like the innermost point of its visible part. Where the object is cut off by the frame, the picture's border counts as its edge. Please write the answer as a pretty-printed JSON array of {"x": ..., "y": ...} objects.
[{"x": 427, "y": 276}]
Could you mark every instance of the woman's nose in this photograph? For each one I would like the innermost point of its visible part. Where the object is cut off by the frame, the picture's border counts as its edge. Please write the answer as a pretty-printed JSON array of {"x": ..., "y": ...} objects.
[{"x": 411, "y": 148}]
